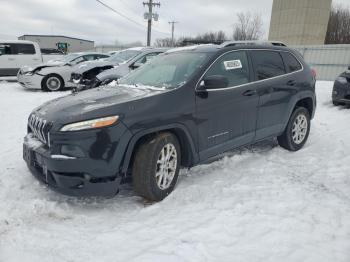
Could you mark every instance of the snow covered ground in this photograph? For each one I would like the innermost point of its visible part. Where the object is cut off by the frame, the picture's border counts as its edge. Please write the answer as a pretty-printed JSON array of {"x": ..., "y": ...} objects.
[{"x": 258, "y": 204}]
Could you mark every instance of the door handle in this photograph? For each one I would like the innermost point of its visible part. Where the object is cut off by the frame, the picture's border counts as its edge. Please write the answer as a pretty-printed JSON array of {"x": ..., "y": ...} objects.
[
  {"x": 291, "y": 83},
  {"x": 11, "y": 59},
  {"x": 249, "y": 93}
]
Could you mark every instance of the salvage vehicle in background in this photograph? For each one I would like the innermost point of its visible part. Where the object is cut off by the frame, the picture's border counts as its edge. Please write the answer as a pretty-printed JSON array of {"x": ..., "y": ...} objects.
[
  {"x": 341, "y": 89},
  {"x": 118, "y": 72},
  {"x": 17, "y": 53},
  {"x": 181, "y": 109},
  {"x": 54, "y": 75},
  {"x": 113, "y": 68}
]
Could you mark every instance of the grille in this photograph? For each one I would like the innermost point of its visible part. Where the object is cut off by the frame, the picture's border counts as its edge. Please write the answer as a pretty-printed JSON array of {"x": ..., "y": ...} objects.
[{"x": 40, "y": 128}]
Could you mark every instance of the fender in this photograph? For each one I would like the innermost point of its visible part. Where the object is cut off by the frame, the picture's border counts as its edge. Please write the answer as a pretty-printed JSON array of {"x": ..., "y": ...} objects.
[
  {"x": 137, "y": 136},
  {"x": 301, "y": 95}
]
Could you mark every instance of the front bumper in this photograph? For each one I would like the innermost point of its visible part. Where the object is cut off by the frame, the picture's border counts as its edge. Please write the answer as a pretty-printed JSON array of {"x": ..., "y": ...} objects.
[
  {"x": 93, "y": 174},
  {"x": 341, "y": 93},
  {"x": 30, "y": 81}
]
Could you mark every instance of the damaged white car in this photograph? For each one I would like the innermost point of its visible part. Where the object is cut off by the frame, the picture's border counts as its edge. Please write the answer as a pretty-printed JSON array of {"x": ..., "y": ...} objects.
[{"x": 54, "y": 75}]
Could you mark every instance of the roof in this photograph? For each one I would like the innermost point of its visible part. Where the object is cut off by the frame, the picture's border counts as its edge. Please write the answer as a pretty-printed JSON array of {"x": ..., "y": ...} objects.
[
  {"x": 62, "y": 36},
  {"x": 16, "y": 42},
  {"x": 232, "y": 45}
]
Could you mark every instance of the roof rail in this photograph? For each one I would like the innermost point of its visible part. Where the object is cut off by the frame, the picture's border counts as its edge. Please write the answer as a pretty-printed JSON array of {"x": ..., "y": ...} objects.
[{"x": 238, "y": 43}]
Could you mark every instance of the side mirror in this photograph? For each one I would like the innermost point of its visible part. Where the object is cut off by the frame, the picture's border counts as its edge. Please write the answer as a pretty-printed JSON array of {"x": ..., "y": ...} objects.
[
  {"x": 136, "y": 65},
  {"x": 213, "y": 82},
  {"x": 349, "y": 68}
]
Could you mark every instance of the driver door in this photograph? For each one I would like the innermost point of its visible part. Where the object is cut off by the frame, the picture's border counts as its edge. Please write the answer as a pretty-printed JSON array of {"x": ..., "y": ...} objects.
[{"x": 226, "y": 117}]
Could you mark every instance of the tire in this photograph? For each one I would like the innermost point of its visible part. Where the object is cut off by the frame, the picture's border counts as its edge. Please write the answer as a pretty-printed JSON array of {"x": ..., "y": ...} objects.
[
  {"x": 147, "y": 167},
  {"x": 52, "y": 83},
  {"x": 295, "y": 135},
  {"x": 335, "y": 103}
]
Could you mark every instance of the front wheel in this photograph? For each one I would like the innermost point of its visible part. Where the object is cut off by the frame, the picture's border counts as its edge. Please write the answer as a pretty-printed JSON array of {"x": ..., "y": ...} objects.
[
  {"x": 52, "y": 83},
  {"x": 297, "y": 131},
  {"x": 156, "y": 167}
]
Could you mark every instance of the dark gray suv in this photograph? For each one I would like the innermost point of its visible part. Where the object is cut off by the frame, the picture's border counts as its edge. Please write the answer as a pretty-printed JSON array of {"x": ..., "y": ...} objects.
[{"x": 184, "y": 107}]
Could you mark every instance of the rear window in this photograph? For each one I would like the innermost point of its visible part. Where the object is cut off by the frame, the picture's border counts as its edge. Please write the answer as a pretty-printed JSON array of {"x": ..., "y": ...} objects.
[
  {"x": 5, "y": 49},
  {"x": 291, "y": 63},
  {"x": 267, "y": 64}
]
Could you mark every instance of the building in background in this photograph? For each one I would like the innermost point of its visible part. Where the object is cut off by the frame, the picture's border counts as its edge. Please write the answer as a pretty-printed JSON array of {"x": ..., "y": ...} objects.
[
  {"x": 300, "y": 22},
  {"x": 64, "y": 43}
]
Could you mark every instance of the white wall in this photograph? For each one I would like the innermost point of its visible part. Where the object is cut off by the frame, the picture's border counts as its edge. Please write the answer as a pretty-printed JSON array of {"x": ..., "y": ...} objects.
[{"x": 328, "y": 60}]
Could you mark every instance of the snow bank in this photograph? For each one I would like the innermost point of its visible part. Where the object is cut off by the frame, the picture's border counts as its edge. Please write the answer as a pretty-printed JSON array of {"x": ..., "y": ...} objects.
[{"x": 261, "y": 203}]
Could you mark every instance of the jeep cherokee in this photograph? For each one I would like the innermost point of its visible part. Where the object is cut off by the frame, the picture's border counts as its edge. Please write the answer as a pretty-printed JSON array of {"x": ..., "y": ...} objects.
[{"x": 185, "y": 107}]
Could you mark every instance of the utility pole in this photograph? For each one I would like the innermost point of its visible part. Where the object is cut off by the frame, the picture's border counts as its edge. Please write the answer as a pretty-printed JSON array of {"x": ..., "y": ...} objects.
[
  {"x": 150, "y": 16},
  {"x": 172, "y": 23}
]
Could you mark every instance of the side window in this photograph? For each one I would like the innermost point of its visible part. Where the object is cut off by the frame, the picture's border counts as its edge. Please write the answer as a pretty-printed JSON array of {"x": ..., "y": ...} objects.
[
  {"x": 24, "y": 49},
  {"x": 291, "y": 63},
  {"x": 5, "y": 49},
  {"x": 267, "y": 64},
  {"x": 234, "y": 66},
  {"x": 147, "y": 58}
]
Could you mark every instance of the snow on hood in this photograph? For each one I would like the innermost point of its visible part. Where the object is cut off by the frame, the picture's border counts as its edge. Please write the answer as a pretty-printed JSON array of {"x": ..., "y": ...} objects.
[{"x": 51, "y": 63}]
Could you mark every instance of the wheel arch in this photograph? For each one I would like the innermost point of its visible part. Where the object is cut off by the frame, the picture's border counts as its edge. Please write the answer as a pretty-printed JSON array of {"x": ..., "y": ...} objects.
[
  {"x": 53, "y": 74},
  {"x": 188, "y": 152},
  {"x": 305, "y": 99}
]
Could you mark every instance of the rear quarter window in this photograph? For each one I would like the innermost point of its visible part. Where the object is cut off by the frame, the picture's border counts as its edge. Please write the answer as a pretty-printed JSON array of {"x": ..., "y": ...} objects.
[
  {"x": 291, "y": 63},
  {"x": 267, "y": 64}
]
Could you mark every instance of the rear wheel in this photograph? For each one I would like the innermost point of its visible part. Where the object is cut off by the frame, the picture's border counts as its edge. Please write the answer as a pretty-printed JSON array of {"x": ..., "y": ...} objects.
[
  {"x": 52, "y": 83},
  {"x": 156, "y": 167},
  {"x": 297, "y": 131},
  {"x": 335, "y": 103}
]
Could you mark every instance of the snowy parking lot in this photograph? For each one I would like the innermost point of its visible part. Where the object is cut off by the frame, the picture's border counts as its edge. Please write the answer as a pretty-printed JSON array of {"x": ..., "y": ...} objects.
[{"x": 261, "y": 203}]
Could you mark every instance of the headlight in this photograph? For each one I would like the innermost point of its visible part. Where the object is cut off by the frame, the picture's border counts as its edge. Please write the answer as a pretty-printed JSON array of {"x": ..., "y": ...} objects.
[
  {"x": 90, "y": 124},
  {"x": 341, "y": 80},
  {"x": 76, "y": 81},
  {"x": 29, "y": 73}
]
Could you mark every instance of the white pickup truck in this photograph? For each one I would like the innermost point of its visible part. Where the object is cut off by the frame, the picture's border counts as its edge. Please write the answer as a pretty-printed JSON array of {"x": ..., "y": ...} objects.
[{"x": 17, "y": 53}]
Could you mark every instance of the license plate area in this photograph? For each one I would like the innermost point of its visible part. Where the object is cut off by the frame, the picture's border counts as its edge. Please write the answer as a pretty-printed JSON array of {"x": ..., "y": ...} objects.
[{"x": 28, "y": 155}]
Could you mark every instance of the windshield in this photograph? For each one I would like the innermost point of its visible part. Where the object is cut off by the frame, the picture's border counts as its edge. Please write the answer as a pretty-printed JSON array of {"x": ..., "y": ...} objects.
[
  {"x": 170, "y": 70},
  {"x": 123, "y": 56},
  {"x": 69, "y": 58}
]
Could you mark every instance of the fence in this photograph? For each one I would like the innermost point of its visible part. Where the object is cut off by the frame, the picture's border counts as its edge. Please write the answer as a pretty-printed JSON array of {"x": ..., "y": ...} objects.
[{"x": 328, "y": 60}]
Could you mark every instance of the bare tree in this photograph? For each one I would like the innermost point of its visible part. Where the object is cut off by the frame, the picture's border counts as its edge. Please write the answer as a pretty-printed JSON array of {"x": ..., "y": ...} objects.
[
  {"x": 248, "y": 27},
  {"x": 209, "y": 37},
  {"x": 163, "y": 42},
  {"x": 338, "y": 31}
]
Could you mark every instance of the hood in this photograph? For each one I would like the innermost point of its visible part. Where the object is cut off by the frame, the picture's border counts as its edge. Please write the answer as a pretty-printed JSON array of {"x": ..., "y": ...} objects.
[
  {"x": 94, "y": 103},
  {"x": 82, "y": 68},
  {"x": 52, "y": 63},
  {"x": 114, "y": 73}
]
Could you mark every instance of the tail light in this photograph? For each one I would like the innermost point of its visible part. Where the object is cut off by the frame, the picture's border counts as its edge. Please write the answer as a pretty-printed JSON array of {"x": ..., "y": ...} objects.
[{"x": 313, "y": 73}]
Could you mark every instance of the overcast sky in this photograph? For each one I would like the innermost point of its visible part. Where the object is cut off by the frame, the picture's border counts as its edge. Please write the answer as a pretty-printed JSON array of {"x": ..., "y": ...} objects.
[{"x": 89, "y": 20}]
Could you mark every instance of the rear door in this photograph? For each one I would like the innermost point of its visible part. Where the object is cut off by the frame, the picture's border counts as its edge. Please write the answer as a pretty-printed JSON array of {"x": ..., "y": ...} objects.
[
  {"x": 275, "y": 88},
  {"x": 226, "y": 118}
]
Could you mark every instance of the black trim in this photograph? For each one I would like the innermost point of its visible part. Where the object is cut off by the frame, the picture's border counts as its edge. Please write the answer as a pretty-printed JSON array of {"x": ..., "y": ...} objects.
[{"x": 9, "y": 71}]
